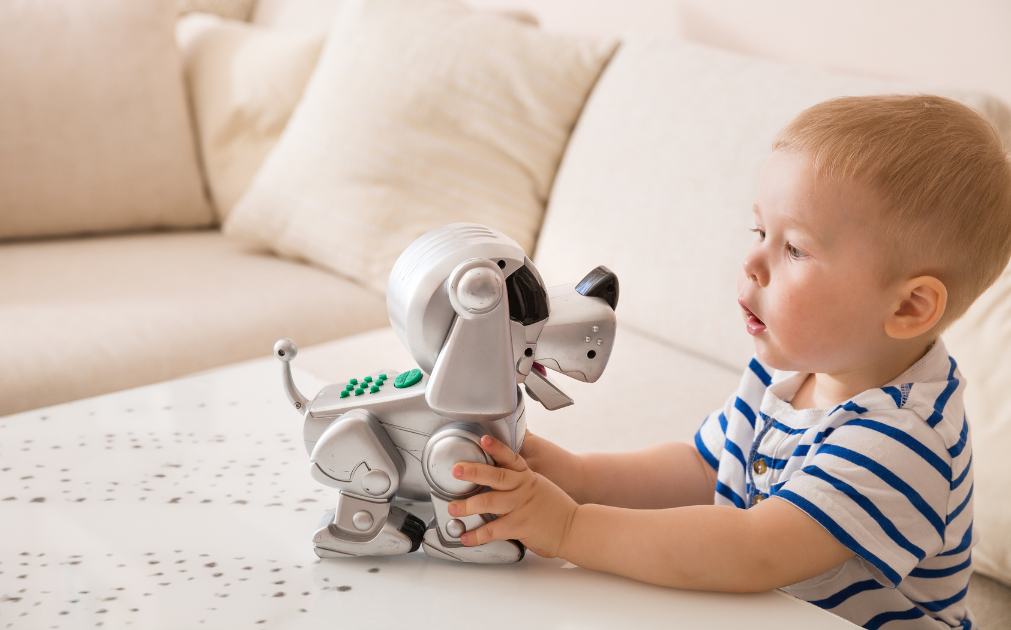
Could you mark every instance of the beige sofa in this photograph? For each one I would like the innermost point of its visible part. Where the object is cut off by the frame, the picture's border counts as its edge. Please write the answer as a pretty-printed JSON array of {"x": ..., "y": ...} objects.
[{"x": 655, "y": 182}]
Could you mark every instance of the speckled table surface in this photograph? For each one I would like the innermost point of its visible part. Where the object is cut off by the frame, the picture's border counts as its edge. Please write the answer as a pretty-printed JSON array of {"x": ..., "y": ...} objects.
[{"x": 189, "y": 503}]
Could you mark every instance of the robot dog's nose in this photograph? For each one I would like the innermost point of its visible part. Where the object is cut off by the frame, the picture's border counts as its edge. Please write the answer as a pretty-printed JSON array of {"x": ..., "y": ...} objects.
[{"x": 285, "y": 350}]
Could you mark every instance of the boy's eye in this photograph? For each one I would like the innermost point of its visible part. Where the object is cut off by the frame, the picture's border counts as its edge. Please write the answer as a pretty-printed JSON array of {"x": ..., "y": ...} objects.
[
  {"x": 760, "y": 232},
  {"x": 794, "y": 252}
]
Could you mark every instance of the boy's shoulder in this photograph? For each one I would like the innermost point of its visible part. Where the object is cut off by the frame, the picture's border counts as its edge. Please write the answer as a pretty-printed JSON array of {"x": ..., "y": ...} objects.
[{"x": 928, "y": 397}]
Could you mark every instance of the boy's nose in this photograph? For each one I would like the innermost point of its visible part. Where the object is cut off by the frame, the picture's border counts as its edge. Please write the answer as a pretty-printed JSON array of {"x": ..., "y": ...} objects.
[{"x": 755, "y": 270}]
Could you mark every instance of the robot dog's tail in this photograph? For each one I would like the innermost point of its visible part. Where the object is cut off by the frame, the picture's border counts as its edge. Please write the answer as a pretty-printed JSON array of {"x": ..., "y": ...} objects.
[{"x": 285, "y": 350}]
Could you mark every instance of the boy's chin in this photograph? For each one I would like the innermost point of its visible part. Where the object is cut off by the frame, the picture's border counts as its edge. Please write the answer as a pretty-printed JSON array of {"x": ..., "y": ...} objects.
[{"x": 773, "y": 357}]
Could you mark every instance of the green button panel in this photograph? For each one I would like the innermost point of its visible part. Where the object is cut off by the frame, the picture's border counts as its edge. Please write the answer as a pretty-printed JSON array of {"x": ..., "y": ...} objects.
[
  {"x": 373, "y": 384},
  {"x": 407, "y": 379}
]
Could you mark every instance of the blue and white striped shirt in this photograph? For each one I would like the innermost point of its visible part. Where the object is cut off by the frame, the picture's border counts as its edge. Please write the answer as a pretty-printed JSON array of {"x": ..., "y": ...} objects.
[{"x": 888, "y": 473}]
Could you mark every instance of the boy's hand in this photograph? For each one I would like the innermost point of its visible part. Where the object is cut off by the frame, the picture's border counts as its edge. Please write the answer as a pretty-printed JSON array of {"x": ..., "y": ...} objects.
[{"x": 532, "y": 509}]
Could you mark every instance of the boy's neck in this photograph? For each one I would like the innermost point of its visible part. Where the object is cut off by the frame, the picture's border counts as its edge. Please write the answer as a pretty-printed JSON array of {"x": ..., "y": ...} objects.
[{"x": 821, "y": 391}]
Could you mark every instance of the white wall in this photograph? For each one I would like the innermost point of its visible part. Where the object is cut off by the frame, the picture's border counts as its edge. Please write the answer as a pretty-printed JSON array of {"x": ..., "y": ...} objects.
[{"x": 964, "y": 44}]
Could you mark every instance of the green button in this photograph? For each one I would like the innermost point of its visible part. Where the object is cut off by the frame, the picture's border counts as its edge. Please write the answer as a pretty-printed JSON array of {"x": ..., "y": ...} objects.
[
  {"x": 349, "y": 388},
  {"x": 353, "y": 381},
  {"x": 382, "y": 377},
  {"x": 380, "y": 382},
  {"x": 374, "y": 389},
  {"x": 344, "y": 393},
  {"x": 368, "y": 379},
  {"x": 407, "y": 379},
  {"x": 359, "y": 391}
]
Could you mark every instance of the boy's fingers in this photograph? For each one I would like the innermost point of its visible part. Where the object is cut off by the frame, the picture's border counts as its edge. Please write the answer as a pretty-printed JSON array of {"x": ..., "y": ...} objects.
[
  {"x": 492, "y": 476},
  {"x": 484, "y": 503},
  {"x": 496, "y": 530},
  {"x": 502, "y": 454}
]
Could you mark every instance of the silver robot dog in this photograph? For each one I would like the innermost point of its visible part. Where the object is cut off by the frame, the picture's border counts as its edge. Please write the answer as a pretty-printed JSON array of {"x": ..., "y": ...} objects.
[{"x": 477, "y": 318}]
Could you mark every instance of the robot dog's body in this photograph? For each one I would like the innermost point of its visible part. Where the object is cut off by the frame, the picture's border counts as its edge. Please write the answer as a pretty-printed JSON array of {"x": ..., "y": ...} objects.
[{"x": 477, "y": 318}]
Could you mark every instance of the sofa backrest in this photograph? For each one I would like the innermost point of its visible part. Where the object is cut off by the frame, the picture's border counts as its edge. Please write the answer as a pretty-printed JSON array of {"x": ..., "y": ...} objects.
[{"x": 661, "y": 173}]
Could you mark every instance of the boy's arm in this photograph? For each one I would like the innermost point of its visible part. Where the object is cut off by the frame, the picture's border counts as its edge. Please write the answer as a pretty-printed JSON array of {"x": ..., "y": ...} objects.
[
  {"x": 706, "y": 547},
  {"x": 702, "y": 547},
  {"x": 662, "y": 476}
]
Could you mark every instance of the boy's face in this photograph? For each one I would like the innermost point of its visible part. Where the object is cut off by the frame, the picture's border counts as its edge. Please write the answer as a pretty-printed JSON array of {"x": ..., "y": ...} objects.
[{"x": 810, "y": 288}]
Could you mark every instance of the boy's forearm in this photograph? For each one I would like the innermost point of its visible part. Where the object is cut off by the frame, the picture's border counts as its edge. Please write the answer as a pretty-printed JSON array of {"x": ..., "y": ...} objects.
[
  {"x": 662, "y": 476},
  {"x": 718, "y": 548}
]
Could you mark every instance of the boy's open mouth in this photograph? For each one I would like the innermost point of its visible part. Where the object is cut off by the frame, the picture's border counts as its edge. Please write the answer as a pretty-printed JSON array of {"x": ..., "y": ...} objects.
[{"x": 755, "y": 326}]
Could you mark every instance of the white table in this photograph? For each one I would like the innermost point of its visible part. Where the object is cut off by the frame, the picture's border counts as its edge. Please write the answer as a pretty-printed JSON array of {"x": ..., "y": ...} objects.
[{"x": 189, "y": 503}]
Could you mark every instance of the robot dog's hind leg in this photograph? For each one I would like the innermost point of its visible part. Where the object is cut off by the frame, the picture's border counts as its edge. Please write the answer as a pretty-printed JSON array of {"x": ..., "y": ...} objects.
[
  {"x": 365, "y": 528},
  {"x": 356, "y": 456}
]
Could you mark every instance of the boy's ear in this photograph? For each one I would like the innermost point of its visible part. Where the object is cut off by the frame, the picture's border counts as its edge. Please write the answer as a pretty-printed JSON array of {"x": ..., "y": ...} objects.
[{"x": 921, "y": 303}]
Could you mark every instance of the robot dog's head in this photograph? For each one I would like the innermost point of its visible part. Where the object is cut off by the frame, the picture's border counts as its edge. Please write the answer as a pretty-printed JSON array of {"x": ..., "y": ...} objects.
[{"x": 476, "y": 316}]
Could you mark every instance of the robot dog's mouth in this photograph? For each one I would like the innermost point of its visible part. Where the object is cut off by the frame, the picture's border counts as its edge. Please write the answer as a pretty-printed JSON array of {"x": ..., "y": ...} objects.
[{"x": 543, "y": 371}]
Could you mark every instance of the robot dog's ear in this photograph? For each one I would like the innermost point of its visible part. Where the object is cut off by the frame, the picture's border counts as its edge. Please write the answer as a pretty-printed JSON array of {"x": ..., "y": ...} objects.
[
  {"x": 474, "y": 377},
  {"x": 601, "y": 283}
]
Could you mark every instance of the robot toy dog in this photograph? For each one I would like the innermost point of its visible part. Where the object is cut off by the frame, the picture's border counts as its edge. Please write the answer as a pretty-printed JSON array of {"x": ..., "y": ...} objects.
[{"x": 478, "y": 320}]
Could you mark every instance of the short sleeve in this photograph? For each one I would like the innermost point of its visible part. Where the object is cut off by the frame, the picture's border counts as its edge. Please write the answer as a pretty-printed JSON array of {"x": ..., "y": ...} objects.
[
  {"x": 879, "y": 485},
  {"x": 712, "y": 435}
]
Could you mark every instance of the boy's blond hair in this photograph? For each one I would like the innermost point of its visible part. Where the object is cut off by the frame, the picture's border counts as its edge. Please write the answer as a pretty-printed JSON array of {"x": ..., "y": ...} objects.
[{"x": 943, "y": 173}]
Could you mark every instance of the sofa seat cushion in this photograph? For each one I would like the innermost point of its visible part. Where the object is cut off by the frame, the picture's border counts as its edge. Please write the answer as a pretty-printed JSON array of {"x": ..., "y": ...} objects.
[
  {"x": 649, "y": 393},
  {"x": 88, "y": 316}
]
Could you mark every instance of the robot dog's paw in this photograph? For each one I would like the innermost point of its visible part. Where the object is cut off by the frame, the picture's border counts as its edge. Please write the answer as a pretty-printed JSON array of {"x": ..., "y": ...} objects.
[
  {"x": 401, "y": 533},
  {"x": 495, "y": 552}
]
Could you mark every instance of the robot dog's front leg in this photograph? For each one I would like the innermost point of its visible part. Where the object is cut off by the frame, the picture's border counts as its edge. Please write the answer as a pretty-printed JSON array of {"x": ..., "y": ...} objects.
[
  {"x": 356, "y": 456},
  {"x": 459, "y": 442}
]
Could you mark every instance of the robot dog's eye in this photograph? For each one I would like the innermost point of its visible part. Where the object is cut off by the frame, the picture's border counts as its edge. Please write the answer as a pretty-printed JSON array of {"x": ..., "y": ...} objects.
[{"x": 528, "y": 301}]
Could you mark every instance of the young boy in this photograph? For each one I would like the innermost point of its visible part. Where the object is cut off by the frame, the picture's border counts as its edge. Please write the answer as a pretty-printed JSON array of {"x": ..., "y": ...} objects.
[{"x": 841, "y": 469}]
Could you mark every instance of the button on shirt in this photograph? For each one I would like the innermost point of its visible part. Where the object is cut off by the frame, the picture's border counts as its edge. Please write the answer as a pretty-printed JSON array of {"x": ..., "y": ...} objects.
[{"x": 888, "y": 473}]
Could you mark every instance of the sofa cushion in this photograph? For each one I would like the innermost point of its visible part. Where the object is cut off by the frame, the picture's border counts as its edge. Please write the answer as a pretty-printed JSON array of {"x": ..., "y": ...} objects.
[
  {"x": 621, "y": 411},
  {"x": 93, "y": 120},
  {"x": 244, "y": 82},
  {"x": 90, "y": 316},
  {"x": 306, "y": 16},
  {"x": 418, "y": 114},
  {"x": 231, "y": 9},
  {"x": 661, "y": 173},
  {"x": 980, "y": 342}
]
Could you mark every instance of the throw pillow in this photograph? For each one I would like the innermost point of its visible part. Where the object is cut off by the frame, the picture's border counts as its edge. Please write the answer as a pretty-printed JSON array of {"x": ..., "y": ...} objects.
[
  {"x": 244, "y": 82},
  {"x": 419, "y": 113},
  {"x": 94, "y": 131}
]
